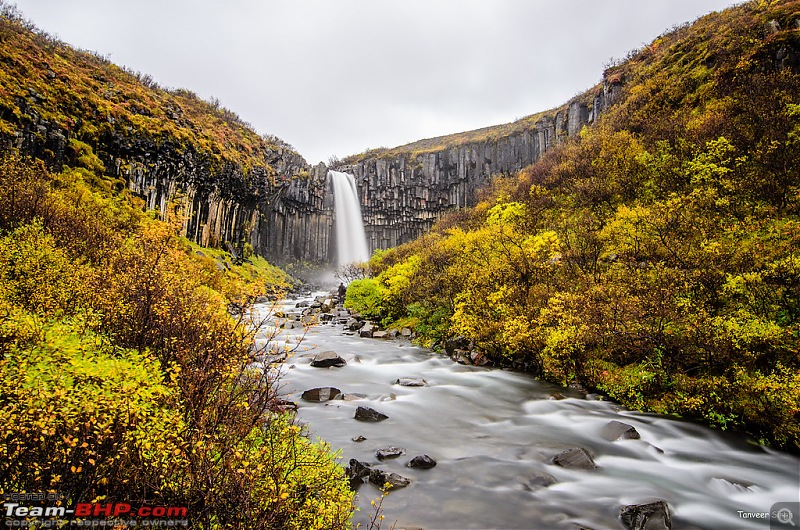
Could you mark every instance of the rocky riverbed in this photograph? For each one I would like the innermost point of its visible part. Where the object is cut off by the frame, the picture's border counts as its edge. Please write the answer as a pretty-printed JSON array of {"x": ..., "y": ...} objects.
[{"x": 468, "y": 446}]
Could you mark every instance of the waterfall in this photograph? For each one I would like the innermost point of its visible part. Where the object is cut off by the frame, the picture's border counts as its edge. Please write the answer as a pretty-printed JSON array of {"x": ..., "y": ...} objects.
[{"x": 351, "y": 240}]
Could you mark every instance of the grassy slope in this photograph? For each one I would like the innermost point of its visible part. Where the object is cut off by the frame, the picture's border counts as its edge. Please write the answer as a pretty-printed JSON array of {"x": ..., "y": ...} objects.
[{"x": 93, "y": 101}]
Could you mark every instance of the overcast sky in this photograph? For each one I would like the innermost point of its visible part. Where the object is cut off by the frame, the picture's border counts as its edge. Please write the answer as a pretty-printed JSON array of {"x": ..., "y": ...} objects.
[{"x": 335, "y": 77}]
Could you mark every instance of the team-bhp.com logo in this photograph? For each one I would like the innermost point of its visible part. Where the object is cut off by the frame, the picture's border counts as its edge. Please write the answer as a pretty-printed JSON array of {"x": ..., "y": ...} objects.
[{"x": 49, "y": 511}]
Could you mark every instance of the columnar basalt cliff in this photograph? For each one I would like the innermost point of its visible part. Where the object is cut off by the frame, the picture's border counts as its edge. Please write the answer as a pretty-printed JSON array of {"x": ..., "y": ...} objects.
[
  {"x": 405, "y": 190},
  {"x": 190, "y": 158}
]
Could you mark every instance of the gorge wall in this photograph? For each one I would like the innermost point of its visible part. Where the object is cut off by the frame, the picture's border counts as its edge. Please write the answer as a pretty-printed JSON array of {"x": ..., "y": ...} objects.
[{"x": 192, "y": 160}]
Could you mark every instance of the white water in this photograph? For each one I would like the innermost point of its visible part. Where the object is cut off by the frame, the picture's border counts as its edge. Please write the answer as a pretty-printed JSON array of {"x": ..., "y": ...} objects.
[
  {"x": 494, "y": 432},
  {"x": 351, "y": 241}
]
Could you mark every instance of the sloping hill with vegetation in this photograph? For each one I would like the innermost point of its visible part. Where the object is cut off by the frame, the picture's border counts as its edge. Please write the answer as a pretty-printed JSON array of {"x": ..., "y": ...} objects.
[
  {"x": 655, "y": 258},
  {"x": 126, "y": 362}
]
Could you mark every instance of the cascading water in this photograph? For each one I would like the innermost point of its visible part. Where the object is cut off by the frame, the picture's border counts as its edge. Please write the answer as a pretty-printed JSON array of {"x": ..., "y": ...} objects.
[
  {"x": 494, "y": 434},
  {"x": 351, "y": 240}
]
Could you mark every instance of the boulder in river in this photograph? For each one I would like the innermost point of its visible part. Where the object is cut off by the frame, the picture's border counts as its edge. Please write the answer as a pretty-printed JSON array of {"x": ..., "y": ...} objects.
[
  {"x": 354, "y": 396},
  {"x": 321, "y": 394},
  {"x": 538, "y": 481},
  {"x": 381, "y": 478},
  {"x": 651, "y": 516},
  {"x": 575, "y": 458},
  {"x": 411, "y": 381},
  {"x": 379, "y": 334},
  {"x": 359, "y": 438},
  {"x": 357, "y": 472},
  {"x": 616, "y": 430},
  {"x": 328, "y": 359},
  {"x": 389, "y": 452},
  {"x": 368, "y": 414},
  {"x": 366, "y": 331},
  {"x": 422, "y": 462}
]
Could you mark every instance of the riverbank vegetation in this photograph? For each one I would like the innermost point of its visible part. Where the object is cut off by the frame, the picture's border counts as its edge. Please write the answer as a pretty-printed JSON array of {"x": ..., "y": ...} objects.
[
  {"x": 126, "y": 366},
  {"x": 654, "y": 259}
]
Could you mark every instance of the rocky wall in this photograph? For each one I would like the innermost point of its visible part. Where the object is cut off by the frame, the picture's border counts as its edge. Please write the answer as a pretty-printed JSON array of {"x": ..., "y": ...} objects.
[{"x": 402, "y": 196}]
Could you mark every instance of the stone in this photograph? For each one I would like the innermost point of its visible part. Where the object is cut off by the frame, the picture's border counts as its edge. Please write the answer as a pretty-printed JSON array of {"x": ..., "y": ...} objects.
[
  {"x": 389, "y": 452},
  {"x": 366, "y": 331},
  {"x": 379, "y": 334},
  {"x": 456, "y": 343},
  {"x": 353, "y": 396},
  {"x": 393, "y": 333},
  {"x": 651, "y": 516},
  {"x": 357, "y": 472},
  {"x": 359, "y": 438},
  {"x": 380, "y": 478},
  {"x": 616, "y": 430},
  {"x": 575, "y": 458},
  {"x": 411, "y": 381},
  {"x": 406, "y": 333},
  {"x": 321, "y": 394},
  {"x": 479, "y": 358},
  {"x": 539, "y": 481},
  {"x": 370, "y": 415},
  {"x": 283, "y": 405},
  {"x": 461, "y": 357},
  {"x": 301, "y": 304},
  {"x": 328, "y": 359},
  {"x": 422, "y": 462},
  {"x": 557, "y": 396},
  {"x": 388, "y": 397},
  {"x": 353, "y": 325}
]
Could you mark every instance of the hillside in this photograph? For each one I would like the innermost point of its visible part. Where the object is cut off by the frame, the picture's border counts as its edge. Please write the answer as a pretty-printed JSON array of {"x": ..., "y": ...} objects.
[
  {"x": 653, "y": 258},
  {"x": 127, "y": 353}
]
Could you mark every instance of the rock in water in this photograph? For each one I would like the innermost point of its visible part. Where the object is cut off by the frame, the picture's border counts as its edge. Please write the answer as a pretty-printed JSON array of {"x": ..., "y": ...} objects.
[
  {"x": 575, "y": 458},
  {"x": 411, "y": 381},
  {"x": 327, "y": 359},
  {"x": 380, "y": 478},
  {"x": 422, "y": 462},
  {"x": 368, "y": 414},
  {"x": 650, "y": 516},
  {"x": 319, "y": 395},
  {"x": 389, "y": 452},
  {"x": 357, "y": 472},
  {"x": 616, "y": 430}
]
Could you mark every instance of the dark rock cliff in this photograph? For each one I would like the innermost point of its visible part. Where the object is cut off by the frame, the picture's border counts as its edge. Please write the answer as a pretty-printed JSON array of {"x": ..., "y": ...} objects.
[{"x": 404, "y": 191}]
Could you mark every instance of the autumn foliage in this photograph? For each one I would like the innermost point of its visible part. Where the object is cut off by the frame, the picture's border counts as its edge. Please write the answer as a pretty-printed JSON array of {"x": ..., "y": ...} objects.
[
  {"x": 655, "y": 258},
  {"x": 124, "y": 374}
]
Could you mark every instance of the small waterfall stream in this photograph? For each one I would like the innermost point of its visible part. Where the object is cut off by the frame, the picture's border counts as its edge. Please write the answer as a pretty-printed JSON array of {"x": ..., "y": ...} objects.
[{"x": 351, "y": 240}]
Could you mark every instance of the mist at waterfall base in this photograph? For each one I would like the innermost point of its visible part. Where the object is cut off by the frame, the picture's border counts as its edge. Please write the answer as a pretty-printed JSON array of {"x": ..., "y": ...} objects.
[
  {"x": 351, "y": 240},
  {"x": 494, "y": 434}
]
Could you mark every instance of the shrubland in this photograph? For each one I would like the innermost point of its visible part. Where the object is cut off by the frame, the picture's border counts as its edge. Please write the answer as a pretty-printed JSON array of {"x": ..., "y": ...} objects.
[
  {"x": 126, "y": 366},
  {"x": 655, "y": 258}
]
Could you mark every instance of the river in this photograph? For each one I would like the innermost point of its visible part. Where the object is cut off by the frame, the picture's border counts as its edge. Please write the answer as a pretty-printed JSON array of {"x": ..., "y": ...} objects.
[{"x": 494, "y": 433}]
